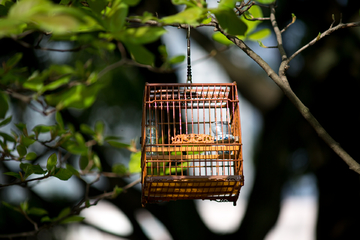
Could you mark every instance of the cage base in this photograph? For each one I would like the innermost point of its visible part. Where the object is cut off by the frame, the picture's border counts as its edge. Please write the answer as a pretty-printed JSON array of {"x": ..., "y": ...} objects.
[{"x": 168, "y": 188}]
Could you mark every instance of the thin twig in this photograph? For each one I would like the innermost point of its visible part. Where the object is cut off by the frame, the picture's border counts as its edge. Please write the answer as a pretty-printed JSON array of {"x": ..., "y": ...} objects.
[{"x": 324, "y": 34}]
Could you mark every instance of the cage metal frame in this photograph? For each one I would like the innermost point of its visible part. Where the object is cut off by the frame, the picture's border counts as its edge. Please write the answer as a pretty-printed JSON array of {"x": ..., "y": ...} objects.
[{"x": 182, "y": 157}]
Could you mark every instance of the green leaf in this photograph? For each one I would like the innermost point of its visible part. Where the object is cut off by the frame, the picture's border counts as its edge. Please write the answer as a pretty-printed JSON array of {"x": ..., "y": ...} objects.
[
  {"x": 13, "y": 174},
  {"x": 97, "y": 5},
  {"x": 83, "y": 162},
  {"x": 30, "y": 156},
  {"x": 265, "y": 1},
  {"x": 86, "y": 129},
  {"x": 193, "y": 16},
  {"x": 227, "y": 4},
  {"x": 99, "y": 127},
  {"x": 117, "y": 190},
  {"x": 27, "y": 141},
  {"x": 72, "y": 170},
  {"x": 229, "y": 22},
  {"x": 15, "y": 208},
  {"x": 221, "y": 38},
  {"x": 7, "y": 137},
  {"x": 140, "y": 53},
  {"x": 72, "y": 219},
  {"x": 22, "y": 128},
  {"x": 79, "y": 96},
  {"x": 119, "y": 169},
  {"x": 254, "y": 12},
  {"x": 4, "y": 106},
  {"x": 141, "y": 35},
  {"x": 51, "y": 162},
  {"x": 261, "y": 34},
  {"x": 56, "y": 84},
  {"x": 64, "y": 212},
  {"x": 13, "y": 60},
  {"x": 24, "y": 206},
  {"x": 97, "y": 161},
  {"x": 63, "y": 174},
  {"x": 177, "y": 59},
  {"x": 118, "y": 144},
  {"x": 31, "y": 169},
  {"x": 6, "y": 121},
  {"x": 318, "y": 36},
  {"x": 116, "y": 17},
  {"x": 36, "y": 211},
  {"x": 262, "y": 45},
  {"x": 135, "y": 162},
  {"x": 45, "y": 219},
  {"x": 131, "y": 2},
  {"x": 59, "y": 120},
  {"x": 21, "y": 149},
  {"x": 186, "y": 2}
]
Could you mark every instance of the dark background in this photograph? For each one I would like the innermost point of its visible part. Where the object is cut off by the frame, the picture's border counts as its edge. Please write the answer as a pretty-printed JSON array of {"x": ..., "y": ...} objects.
[{"x": 326, "y": 78}]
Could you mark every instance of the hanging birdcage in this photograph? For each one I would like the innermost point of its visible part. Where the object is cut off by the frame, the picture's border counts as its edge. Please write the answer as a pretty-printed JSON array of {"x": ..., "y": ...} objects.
[{"x": 191, "y": 142}]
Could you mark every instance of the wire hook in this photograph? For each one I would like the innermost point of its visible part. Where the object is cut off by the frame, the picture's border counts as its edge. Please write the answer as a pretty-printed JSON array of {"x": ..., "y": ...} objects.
[{"x": 189, "y": 77}]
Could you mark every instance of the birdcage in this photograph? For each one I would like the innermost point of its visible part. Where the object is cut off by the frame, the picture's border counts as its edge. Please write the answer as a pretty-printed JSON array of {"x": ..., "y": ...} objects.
[{"x": 191, "y": 142}]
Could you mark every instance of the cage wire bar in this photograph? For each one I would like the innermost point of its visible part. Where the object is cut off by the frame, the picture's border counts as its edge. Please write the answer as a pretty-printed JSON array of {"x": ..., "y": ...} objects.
[{"x": 191, "y": 142}]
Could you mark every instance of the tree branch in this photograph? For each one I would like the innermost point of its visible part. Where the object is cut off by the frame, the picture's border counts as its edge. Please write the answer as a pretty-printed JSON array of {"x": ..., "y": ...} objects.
[
  {"x": 324, "y": 34},
  {"x": 285, "y": 87}
]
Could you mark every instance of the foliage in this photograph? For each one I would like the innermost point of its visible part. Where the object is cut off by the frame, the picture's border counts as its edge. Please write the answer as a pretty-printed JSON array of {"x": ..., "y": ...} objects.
[{"x": 97, "y": 27}]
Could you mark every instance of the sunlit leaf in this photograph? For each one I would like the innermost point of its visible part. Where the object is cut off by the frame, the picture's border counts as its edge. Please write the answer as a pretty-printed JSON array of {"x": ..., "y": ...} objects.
[
  {"x": 142, "y": 35},
  {"x": 116, "y": 17},
  {"x": 134, "y": 164},
  {"x": 229, "y": 22},
  {"x": 255, "y": 12},
  {"x": 79, "y": 96},
  {"x": 265, "y": 1},
  {"x": 140, "y": 53},
  {"x": 119, "y": 169},
  {"x": 193, "y": 16},
  {"x": 221, "y": 38},
  {"x": 177, "y": 59},
  {"x": 227, "y": 4},
  {"x": 261, "y": 34}
]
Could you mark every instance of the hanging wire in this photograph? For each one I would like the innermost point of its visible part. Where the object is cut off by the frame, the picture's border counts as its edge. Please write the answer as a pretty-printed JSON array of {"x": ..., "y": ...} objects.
[{"x": 189, "y": 77}]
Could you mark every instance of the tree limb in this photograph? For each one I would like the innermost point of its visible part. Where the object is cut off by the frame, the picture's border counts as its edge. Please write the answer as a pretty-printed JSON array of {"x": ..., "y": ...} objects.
[{"x": 285, "y": 87}]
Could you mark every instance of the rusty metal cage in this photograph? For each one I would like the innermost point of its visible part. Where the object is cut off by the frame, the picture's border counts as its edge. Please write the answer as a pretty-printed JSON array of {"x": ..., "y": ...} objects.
[{"x": 191, "y": 143}]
